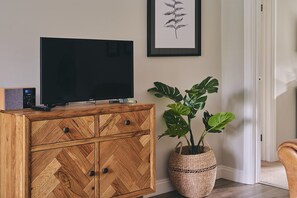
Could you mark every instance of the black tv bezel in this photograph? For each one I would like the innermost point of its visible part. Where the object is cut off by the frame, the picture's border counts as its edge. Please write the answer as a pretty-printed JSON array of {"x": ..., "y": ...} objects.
[{"x": 54, "y": 103}]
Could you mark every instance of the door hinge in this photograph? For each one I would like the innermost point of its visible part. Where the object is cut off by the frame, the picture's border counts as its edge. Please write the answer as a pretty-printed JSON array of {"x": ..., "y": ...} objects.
[
  {"x": 261, "y": 7},
  {"x": 261, "y": 139}
]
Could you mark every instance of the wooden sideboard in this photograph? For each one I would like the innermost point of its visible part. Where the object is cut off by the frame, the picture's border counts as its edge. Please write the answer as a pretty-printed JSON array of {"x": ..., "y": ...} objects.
[{"x": 100, "y": 151}]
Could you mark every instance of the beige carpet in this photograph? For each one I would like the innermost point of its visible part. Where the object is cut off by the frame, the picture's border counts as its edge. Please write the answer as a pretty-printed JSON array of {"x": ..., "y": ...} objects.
[{"x": 273, "y": 173}]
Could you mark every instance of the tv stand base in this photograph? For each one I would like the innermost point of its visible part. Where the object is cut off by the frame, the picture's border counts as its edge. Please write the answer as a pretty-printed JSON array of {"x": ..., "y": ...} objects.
[
  {"x": 123, "y": 101},
  {"x": 57, "y": 104}
]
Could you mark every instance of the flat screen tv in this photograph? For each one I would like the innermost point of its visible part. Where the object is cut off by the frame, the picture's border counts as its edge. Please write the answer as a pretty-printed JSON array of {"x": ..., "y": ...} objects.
[{"x": 75, "y": 70}]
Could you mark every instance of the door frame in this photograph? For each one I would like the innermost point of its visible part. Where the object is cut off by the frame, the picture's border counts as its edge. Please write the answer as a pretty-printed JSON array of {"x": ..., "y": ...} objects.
[
  {"x": 250, "y": 162},
  {"x": 269, "y": 59},
  {"x": 256, "y": 53}
]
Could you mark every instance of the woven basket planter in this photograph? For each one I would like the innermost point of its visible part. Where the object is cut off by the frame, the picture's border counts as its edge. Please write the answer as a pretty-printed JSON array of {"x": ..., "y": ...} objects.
[{"x": 193, "y": 175}]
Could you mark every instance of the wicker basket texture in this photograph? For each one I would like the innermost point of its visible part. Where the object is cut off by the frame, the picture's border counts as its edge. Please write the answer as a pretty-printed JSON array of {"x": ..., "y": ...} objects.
[{"x": 192, "y": 175}]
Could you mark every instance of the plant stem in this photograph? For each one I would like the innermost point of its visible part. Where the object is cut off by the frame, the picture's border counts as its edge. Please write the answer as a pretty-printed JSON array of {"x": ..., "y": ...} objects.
[
  {"x": 175, "y": 20},
  {"x": 189, "y": 144},
  {"x": 191, "y": 137},
  {"x": 175, "y": 32},
  {"x": 201, "y": 140}
]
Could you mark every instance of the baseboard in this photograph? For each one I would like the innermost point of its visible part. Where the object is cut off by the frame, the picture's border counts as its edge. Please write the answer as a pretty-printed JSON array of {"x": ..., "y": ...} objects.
[
  {"x": 229, "y": 173},
  {"x": 219, "y": 172},
  {"x": 163, "y": 186}
]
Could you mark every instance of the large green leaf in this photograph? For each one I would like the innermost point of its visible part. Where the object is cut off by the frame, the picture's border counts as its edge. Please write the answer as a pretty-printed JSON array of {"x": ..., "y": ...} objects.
[
  {"x": 196, "y": 96},
  {"x": 163, "y": 90},
  {"x": 176, "y": 124},
  {"x": 220, "y": 120},
  {"x": 180, "y": 108},
  {"x": 206, "y": 116},
  {"x": 195, "y": 103},
  {"x": 209, "y": 85}
]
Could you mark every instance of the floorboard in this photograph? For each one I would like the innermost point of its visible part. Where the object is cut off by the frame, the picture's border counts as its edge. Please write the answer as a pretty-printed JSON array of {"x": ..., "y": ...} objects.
[{"x": 229, "y": 189}]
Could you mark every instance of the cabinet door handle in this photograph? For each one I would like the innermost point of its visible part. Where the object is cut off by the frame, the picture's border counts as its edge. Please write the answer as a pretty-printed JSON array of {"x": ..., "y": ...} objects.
[
  {"x": 105, "y": 170},
  {"x": 127, "y": 122},
  {"x": 92, "y": 173},
  {"x": 66, "y": 130}
]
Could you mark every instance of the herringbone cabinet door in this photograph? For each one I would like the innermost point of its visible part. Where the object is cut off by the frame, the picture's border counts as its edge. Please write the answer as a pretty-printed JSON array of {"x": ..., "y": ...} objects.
[
  {"x": 64, "y": 172},
  {"x": 125, "y": 166}
]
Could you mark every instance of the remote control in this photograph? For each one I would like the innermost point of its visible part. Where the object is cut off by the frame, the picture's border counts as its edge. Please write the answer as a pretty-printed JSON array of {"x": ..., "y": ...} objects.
[{"x": 41, "y": 108}]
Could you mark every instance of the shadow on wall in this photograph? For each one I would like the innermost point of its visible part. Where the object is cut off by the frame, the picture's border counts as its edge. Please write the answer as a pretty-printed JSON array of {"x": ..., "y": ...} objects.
[
  {"x": 233, "y": 136},
  {"x": 236, "y": 105}
]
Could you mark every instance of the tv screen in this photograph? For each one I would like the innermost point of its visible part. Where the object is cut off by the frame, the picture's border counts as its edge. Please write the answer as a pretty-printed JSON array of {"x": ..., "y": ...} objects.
[{"x": 85, "y": 69}]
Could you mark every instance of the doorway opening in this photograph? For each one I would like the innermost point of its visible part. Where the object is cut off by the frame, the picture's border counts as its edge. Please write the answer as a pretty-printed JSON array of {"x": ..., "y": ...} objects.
[{"x": 277, "y": 92}]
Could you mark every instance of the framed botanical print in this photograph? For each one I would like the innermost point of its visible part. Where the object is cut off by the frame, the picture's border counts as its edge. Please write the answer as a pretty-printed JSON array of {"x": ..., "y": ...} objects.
[{"x": 174, "y": 28}]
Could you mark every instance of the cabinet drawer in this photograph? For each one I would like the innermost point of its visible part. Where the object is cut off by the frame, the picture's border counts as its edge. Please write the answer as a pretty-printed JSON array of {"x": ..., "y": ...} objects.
[
  {"x": 60, "y": 130},
  {"x": 117, "y": 123}
]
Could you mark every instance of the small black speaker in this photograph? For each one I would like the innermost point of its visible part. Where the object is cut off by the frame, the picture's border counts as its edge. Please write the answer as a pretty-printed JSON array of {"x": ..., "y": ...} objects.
[{"x": 17, "y": 98}]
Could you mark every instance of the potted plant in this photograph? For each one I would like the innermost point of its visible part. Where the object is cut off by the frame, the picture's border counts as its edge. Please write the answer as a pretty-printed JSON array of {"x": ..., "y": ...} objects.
[{"x": 192, "y": 168}]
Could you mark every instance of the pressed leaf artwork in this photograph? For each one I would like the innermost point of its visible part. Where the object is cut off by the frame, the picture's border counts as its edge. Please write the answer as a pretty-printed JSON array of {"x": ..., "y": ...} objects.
[{"x": 176, "y": 16}]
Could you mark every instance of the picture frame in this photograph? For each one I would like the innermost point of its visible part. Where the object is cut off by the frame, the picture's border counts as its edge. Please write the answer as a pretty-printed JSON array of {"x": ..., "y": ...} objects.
[{"x": 173, "y": 28}]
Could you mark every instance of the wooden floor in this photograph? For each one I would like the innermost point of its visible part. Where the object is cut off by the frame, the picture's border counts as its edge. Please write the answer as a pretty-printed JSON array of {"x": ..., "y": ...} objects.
[{"x": 225, "y": 188}]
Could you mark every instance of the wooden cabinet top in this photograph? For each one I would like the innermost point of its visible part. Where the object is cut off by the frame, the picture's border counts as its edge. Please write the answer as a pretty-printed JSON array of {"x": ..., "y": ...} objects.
[{"x": 75, "y": 110}]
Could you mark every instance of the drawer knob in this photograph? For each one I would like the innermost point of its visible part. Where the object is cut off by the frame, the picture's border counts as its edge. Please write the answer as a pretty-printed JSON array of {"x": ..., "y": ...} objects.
[
  {"x": 127, "y": 122},
  {"x": 66, "y": 130},
  {"x": 92, "y": 173},
  {"x": 105, "y": 170}
]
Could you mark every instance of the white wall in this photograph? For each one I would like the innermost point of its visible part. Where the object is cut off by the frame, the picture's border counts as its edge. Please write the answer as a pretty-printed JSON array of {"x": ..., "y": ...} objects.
[
  {"x": 232, "y": 23},
  {"x": 286, "y": 70},
  {"x": 23, "y": 22}
]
